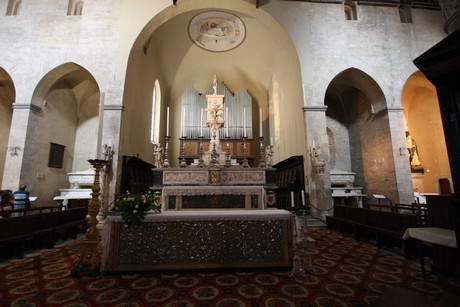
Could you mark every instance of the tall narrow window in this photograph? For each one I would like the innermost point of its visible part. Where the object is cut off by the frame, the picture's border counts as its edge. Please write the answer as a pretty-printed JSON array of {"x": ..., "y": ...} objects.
[
  {"x": 156, "y": 107},
  {"x": 350, "y": 10},
  {"x": 13, "y": 7},
  {"x": 404, "y": 13},
  {"x": 75, "y": 8}
]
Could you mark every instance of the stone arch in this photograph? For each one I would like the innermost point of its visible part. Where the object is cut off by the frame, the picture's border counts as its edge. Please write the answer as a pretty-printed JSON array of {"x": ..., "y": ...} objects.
[
  {"x": 67, "y": 98},
  {"x": 13, "y": 7},
  {"x": 405, "y": 15},
  {"x": 357, "y": 114},
  {"x": 7, "y": 98},
  {"x": 75, "y": 8},
  {"x": 164, "y": 51},
  {"x": 423, "y": 123},
  {"x": 349, "y": 8}
]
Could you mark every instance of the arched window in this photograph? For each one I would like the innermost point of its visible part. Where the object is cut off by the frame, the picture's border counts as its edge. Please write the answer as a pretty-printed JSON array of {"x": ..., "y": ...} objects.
[
  {"x": 350, "y": 10},
  {"x": 404, "y": 13},
  {"x": 13, "y": 7},
  {"x": 156, "y": 107},
  {"x": 75, "y": 8}
]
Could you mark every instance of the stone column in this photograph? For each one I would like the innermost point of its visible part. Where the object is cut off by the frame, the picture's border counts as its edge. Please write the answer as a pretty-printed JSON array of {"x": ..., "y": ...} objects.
[
  {"x": 317, "y": 168},
  {"x": 401, "y": 161},
  {"x": 17, "y": 161},
  {"x": 451, "y": 12},
  {"x": 112, "y": 130}
]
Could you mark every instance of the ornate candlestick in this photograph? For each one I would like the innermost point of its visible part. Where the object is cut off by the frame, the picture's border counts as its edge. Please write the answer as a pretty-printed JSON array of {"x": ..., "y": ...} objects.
[
  {"x": 228, "y": 160},
  {"x": 262, "y": 153},
  {"x": 245, "y": 160},
  {"x": 183, "y": 162},
  {"x": 200, "y": 152},
  {"x": 166, "y": 160},
  {"x": 89, "y": 261},
  {"x": 214, "y": 152}
]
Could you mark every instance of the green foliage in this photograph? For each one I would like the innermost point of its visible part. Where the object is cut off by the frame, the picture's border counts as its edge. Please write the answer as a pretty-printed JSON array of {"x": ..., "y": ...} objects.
[{"x": 134, "y": 207}]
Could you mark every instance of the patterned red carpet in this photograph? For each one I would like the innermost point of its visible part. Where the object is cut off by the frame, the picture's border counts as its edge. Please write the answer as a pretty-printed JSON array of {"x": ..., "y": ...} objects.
[{"x": 342, "y": 272}]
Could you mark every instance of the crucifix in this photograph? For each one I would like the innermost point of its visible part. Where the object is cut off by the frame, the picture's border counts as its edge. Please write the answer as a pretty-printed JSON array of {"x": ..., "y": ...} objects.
[{"x": 215, "y": 118}]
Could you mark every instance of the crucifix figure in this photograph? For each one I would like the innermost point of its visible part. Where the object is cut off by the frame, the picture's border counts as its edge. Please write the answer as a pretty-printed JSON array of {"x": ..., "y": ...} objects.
[
  {"x": 215, "y": 116},
  {"x": 214, "y": 85}
]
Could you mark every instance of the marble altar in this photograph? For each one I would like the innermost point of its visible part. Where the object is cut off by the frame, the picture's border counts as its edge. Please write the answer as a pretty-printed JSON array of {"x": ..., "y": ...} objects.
[
  {"x": 212, "y": 213},
  {"x": 181, "y": 240},
  {"x": 214, "y": 187}
]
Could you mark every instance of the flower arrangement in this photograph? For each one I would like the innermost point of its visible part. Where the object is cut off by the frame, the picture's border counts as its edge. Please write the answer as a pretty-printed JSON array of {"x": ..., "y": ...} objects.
[{"x": 134, "y": 207}]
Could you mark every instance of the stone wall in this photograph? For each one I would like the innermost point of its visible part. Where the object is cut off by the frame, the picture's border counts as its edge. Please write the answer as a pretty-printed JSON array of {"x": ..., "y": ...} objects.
[{"x": 42, "y": 37}]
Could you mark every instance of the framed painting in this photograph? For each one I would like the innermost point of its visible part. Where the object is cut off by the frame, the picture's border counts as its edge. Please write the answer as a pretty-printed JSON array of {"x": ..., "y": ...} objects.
[{"x": 56, "y": 156}]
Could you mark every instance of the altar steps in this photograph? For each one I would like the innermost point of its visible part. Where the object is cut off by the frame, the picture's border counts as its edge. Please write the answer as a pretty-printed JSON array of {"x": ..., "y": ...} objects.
[{"x": 314, "y": 222}]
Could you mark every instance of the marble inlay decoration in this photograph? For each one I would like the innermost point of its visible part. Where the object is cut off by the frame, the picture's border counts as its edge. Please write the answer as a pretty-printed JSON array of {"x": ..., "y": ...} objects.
[{"x": 186, "y": 242}]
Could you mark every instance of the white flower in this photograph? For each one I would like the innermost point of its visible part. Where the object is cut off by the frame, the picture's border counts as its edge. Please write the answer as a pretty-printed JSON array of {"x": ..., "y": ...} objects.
[{"x": 134, "y": 211}]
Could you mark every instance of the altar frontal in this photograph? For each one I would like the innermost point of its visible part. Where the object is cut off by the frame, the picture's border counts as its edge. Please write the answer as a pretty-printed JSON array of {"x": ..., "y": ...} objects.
[{"x": 182, "y": 240}]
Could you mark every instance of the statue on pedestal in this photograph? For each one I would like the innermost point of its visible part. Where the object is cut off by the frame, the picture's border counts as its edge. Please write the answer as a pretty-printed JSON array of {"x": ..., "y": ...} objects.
[
  {"x": 269, "y": 155},
  {"x": 158, "y": 154}
]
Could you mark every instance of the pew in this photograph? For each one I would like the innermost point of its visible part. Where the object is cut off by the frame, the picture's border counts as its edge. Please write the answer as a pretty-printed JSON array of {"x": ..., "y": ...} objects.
[
  {"x": 420, "y": 210},
  {"x": 386, "y": 227},
  {"x": 41, "y": 228},
  {"x": 33, "y": 210}
]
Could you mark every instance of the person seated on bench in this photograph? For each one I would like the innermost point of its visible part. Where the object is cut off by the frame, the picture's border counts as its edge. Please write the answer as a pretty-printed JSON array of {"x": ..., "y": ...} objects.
[
  {"x": 6, "y": 203},
  {"x": 21, "y": 200}
]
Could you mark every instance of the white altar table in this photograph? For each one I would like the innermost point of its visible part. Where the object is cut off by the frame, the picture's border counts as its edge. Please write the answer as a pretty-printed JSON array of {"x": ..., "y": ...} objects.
[
  {"x": 213, "y": 197},
  {"x": 432, "y": 235},
  {"x": 181, "y": 240}
]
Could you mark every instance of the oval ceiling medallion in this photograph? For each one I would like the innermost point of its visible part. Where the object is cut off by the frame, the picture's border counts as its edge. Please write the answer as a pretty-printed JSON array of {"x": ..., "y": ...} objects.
[{"x": 217, "y": 31}]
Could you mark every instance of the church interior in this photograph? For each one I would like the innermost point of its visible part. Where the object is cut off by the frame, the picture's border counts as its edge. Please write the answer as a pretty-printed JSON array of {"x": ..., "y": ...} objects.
[{"x": 185, "y": 136}]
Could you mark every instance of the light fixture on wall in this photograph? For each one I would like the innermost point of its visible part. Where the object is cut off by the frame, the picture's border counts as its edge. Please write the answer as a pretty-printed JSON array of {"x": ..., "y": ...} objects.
[
  {"x": 402, "y": 151},
  {"x": 14, "y": 150}
]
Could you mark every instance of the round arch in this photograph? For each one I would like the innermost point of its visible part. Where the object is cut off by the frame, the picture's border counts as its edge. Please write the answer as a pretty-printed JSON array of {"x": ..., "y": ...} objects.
[
  {"x": 65, "y": 116},
  {"x": 7, "y": 98},
  {"x": 426, "y": 144},
  {"x": 164, "y": 51},
  {"x": 357, "y": 115}
]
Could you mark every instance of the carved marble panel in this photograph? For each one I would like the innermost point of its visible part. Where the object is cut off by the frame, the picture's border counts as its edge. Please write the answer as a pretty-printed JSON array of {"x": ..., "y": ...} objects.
[{"x": 188, "y": 242}]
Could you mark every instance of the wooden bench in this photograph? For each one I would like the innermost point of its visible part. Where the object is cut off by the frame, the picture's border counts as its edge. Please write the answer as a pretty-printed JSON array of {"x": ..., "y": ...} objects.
[
  {"x": 33, "y": 210},
  {"x": 41, "y": 228},
  {"x": 420, "y": 210},
  {"x": 386, "y": 227},
  {"x": 65, "y": 223}
]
